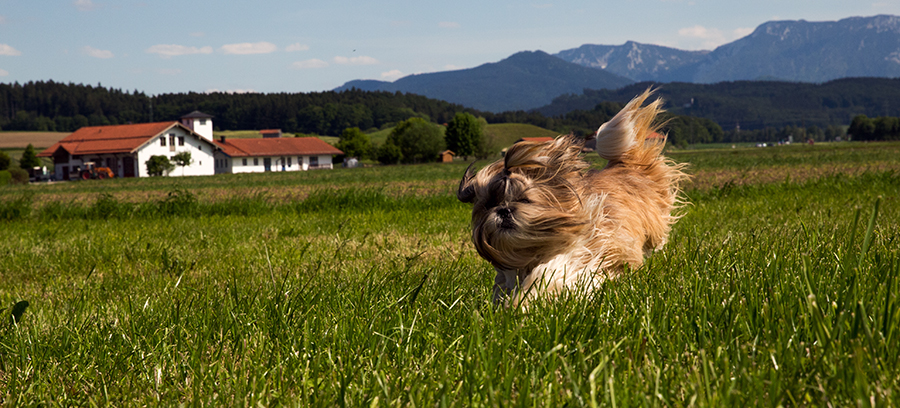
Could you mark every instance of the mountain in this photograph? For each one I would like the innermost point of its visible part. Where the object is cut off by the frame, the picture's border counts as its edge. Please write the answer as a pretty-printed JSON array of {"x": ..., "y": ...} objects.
[
  {"x": 805, "y": 52},
  {"x": 524, "y": 80},
  {"x": 640, "y": 62},
  {"x": 798, "y": 51}
]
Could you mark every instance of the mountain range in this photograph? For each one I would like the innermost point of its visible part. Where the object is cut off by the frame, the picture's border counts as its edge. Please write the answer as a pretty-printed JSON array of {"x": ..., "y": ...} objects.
[{"x": 794, "y": 51}]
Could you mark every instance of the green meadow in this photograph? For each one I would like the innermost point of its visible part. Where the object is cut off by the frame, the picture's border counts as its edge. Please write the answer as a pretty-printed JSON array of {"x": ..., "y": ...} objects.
[{"x": 780, "y": 286}]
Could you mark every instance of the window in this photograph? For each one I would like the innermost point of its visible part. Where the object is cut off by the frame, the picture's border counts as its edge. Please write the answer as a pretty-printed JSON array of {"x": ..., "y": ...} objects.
[
  {"x": 313, "y": 161},
  {"x": 202, "y": 122},
  {"x": 200, "y": 148},
  {"x": 289, "y": 162},
  {"x": 162, "y": 140},
  {"x": 181, "y": 140},
  {"x": 255, "y": 161},
  {"x": 243, "y": 162}
]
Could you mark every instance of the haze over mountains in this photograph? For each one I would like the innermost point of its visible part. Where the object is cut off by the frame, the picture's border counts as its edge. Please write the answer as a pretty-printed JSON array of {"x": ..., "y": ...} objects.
[{"x": 796, "y": 51}]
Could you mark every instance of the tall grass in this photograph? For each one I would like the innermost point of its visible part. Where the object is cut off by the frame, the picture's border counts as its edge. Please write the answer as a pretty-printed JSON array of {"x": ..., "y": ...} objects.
[{"x": 779, "y": 294}]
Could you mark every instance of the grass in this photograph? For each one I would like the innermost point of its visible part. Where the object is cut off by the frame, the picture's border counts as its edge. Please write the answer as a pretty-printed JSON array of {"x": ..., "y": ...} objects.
[{"x": 370, "y": 294}]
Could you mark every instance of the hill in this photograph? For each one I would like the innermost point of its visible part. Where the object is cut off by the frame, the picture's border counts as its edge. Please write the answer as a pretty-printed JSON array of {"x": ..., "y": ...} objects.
[
  {"x": 522, "y": 81},
  {"x": 756, "y": 104}
]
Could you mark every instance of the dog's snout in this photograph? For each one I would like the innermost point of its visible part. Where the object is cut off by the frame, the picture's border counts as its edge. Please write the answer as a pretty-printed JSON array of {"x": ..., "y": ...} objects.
[{"x": 504, "y": 212}]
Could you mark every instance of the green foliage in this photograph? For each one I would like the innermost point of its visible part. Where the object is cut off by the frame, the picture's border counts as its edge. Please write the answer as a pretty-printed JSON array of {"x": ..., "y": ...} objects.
[
  {"x": 419, "y": 140},
  {"x": 18, "y": 175},
  {"x": 5, "y": 160},
  {"x": 5, "y": 178},
  {"x": 465, "y": 135},
  {"x": 29, "y": 158},
  {"x": 355, "y": 143},
  {"x": 880, "y": 128},
  {"x": 159, "y": 165},
  {"x": 182, "y": 159},
  {"x": 389, "y": 153}
]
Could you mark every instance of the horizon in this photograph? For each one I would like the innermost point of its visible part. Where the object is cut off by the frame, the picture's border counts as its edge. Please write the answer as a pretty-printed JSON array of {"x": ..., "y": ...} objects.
[{"x": 281, "y": 47}]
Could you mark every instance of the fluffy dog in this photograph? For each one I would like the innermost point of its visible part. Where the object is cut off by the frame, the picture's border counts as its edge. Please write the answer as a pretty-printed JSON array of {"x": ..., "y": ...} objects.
[{"x": 548, "y": 224}]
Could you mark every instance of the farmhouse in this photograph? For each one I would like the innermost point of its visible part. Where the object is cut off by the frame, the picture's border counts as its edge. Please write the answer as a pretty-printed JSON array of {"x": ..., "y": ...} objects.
[
  {"x": 126, "y": 148},
  {"x": 273, "y": 154}
]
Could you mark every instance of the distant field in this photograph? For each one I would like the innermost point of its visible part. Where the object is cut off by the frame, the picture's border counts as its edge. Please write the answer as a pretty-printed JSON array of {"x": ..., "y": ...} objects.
[
  {"x": 505, "y": 134},
  {"x": 22, "y": 139}
]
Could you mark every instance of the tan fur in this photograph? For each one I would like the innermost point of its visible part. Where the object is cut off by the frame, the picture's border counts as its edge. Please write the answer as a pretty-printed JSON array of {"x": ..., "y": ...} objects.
[{"x": 547, "y": 224}]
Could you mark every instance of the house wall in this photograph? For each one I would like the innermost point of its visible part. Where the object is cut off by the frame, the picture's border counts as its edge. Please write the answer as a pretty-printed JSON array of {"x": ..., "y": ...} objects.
[
  {"x": 277, "y": 163},
  {"x": 201, "y": 153},
  {"x": 202, "y": 127}
]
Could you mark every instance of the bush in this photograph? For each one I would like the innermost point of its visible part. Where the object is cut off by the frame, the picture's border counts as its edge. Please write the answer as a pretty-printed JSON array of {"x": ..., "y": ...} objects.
[
  {"x": 5, "y": 177},
  {"x": 159, "y": 165},
  {"x": 5, "y": 160},
  {"x": 19, "y": 176}
]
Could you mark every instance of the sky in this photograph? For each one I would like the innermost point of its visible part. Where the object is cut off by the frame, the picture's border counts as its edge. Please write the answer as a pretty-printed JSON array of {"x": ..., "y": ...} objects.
[{"x": 165, "y": 46}]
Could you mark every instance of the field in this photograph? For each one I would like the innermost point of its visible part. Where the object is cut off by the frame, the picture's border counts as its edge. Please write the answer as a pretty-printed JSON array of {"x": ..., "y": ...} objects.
[
  {"x": 19, "y": 140},
  {"x": 360, "y": 287}
]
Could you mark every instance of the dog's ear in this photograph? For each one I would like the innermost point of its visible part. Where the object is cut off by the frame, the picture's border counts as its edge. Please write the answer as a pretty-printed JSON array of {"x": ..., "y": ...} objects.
[{"x": 466, "y": 192}]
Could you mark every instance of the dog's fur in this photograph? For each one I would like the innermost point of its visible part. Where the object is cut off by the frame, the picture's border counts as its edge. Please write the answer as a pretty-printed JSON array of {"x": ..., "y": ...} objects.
[{"x": 539, "y": 216}]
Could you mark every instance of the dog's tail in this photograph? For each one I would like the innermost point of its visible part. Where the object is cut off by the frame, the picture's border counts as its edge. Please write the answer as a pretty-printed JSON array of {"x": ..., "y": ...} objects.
[{"x": 625, "y": 137}]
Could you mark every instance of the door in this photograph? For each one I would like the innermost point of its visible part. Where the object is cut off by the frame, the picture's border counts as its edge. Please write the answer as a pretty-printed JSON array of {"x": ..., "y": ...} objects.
[
  {"x": 267, "y": 163},
  {"x": 128, "y": 166}
]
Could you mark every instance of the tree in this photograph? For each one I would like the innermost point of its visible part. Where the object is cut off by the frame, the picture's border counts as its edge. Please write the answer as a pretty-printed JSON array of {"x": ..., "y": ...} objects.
[
  {"x": 354, "y": 143},
  {"x": 389, "y": 153},
  {"x": 182, "y": 159},
  {"x": 4, "y": 160},
  {"x": 464, "y": 135},
  {"x": 419, "y": 140},
  {"x": 159, "y": 165},
  {"x": 29, "y": 159}
]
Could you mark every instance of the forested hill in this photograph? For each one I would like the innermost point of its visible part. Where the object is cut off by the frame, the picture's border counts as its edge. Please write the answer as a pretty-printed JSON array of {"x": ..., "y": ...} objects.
[
  {"x": 757, "y": 104},
  {"x": 52, "y": 106}
]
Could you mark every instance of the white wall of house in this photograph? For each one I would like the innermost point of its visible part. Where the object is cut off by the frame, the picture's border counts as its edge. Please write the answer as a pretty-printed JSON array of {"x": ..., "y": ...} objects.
[
  {"x": 201, "y": 150},
  {"x": 276, "y": 163}
]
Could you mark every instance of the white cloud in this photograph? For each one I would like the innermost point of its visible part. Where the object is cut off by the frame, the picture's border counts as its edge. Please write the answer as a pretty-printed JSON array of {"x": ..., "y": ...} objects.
[
  {"x": 96, "y": 53},
  {"x": 361, "y": 60},
  {"x": 742, "y": 32},
  {"x": 392, "y": 74},
  {"x": 9, "y": 51},
  {"x": 296, "y": 47},
  {"x": 709, "y": 37},
  {"x": 310, "y": 63},
  {"x": 249, "y": 48},
  {"x": 4, "y": 72},
  {"x": 197, "y": 34},
  {"x": 448, "y": 24},
  {"x": 451, "y": 67},
  {"x": 84, "y": 5},
  {"x": 174, "y": 50}
]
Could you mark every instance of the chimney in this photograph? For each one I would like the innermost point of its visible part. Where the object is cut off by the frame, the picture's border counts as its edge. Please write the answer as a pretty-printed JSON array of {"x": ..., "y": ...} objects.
[{"x": 221, "y": 139}]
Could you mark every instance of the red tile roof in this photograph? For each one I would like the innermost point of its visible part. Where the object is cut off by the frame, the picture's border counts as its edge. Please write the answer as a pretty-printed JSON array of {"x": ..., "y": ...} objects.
[
  {"x": 108, "y": 139},
  {"x": 285, "y": 146}
]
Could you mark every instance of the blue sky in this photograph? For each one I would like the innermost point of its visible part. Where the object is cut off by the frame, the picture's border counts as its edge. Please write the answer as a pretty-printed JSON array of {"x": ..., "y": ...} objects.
[{"x": 305, "y": 46}]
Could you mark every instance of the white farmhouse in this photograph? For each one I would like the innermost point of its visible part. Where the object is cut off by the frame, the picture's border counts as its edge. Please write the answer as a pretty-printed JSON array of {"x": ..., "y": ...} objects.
[
  {"x": 273, "y": 154},
  {"x": 126, "y": 148}
]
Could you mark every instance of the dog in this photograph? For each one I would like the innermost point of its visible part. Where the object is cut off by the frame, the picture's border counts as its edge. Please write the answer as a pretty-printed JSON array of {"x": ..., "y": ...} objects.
[{"x": 548, "y": 224}]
